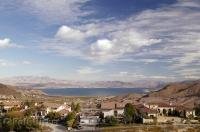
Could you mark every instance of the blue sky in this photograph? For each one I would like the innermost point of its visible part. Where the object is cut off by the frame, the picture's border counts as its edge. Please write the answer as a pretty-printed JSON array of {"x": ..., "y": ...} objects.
[{"x": 100, "y": 39}]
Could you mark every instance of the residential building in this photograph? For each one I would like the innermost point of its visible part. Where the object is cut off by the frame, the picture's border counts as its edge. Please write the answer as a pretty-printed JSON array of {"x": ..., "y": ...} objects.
[
  {"x": 54, "y": 107},
  {"x": 186, "y": 112},
  {"x": 112, "y": 108},
  {"x": 89, "y": 120},
  {"x": 162, "y": 108}
]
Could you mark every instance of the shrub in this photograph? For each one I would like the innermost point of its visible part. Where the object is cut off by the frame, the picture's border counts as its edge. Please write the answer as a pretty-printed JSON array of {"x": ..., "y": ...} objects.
[{"x": 111, "y": 121}]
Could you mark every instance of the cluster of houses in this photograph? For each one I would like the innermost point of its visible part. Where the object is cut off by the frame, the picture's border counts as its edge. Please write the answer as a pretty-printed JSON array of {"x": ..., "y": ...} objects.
[
  {"x": 163, "y": 112},
  {"x": 62, "y": 109}
]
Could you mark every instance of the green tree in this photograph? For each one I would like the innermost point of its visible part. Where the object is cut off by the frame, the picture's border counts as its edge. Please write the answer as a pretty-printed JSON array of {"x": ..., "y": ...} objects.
[
  {"x": 28, "y": 103},
  {"x": 129, "y": 113},
  {"x": 101, "y": 116},
  {"x": 70, "y": 119},
  {"x": 53, "y": 116},
  {"x": 111, "y": 121},
  {"x": 165, "y": 112},
  {"x": 170, "y": 112},
  {"x": 30, "y": 111},
  {"x": 176, "y": 113},
  {"x": 73, "y": 106},
  {"x": 1, "y": 107},
  {"x": 77, "y": 108},
  {"x": 197, "y": 110},
  {"x": 76, "y": 122}
]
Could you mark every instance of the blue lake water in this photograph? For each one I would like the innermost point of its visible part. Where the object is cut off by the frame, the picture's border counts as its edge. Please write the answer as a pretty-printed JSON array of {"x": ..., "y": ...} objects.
[{"x": 93, "y": 91}]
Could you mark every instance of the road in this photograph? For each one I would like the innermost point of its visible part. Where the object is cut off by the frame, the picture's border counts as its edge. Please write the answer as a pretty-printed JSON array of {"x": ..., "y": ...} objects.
[{"x": 55, "y": 127}]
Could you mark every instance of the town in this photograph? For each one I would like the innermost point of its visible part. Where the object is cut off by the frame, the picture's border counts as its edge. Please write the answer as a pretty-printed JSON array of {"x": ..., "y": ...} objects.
[{"x": 93, "y": 114}]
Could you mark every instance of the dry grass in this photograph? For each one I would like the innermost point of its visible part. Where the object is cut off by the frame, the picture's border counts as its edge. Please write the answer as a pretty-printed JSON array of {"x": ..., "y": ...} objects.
[{"x": 152, "y": 128}]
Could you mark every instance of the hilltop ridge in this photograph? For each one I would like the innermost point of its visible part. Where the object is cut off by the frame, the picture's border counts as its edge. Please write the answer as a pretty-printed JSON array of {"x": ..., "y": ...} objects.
[{"x": 183, "y": 93}]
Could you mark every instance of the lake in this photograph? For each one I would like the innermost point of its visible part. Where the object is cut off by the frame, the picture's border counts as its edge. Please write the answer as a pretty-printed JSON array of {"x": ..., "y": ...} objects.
[{"x": 93, "y": 91}]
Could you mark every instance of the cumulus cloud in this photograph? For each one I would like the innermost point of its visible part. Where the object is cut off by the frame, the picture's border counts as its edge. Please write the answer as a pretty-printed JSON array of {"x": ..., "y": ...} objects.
[
  {"x": 101, "y": 49},
  {"x": 69, "y": 34},
  {"x": 168, "y": 35},
  {"x": 6, "y": 43},
  {"x": 120, "y": 44}
]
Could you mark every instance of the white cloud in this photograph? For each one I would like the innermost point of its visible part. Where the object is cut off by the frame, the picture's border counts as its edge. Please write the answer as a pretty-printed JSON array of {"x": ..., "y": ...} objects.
[
  {"x": 7, "y": 43},
  {"x": 26, "y": 62},
  {"x": 103, "y": 45},
  {"x": 3, "y": 63},
  {"x": 128, "y": 76},
  {"x": 55, "y": 11},
  {"x": 70, "y": 35},
  {"x": 88, "y": 70},
  {"x": 146, "y": 61},
  {"x": 121, "y": 43},
  {"x": 7, "y": 63},
  {"x": 101, "y": 49},
  {"x": 167, "y": 34}
]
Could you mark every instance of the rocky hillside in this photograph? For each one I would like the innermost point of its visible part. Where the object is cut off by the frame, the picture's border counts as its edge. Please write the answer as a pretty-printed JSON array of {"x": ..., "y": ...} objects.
[
  {"x": 132, "y": 97},
  {"x": 12, "y": 92},
  {"x": 183, "y": 89},
  {"x": 8, "y": 90},
  {"x": 183, "y": 93}
]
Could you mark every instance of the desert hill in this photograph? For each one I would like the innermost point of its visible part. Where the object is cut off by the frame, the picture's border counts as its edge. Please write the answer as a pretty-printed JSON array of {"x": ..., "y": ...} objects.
[
  {"x": 181, "y": 93},
  {"x": 132, "y": 97},
  {"x": 182, "y": 89},
  {"x": 8, "y": 90},
  {"x": 12, "y": 92}
]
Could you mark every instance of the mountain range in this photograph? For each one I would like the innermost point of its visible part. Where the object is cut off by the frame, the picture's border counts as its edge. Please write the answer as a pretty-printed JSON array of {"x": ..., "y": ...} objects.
[
  {"x": 186, "y": 93},
  {"x": 47, "y": 82}
]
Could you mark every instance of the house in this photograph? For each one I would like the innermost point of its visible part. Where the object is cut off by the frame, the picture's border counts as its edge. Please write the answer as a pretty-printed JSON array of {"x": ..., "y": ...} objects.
[
  {"x": 112, "y": 108},
  {"x": 146, "y": 112},
  {"x": 147, "y": 120},
  {"x": 162, "y": 108},
  {"x": 60, "y": 108},
  {"x": 64, "y": 112},
  {"x": 108, "y": 112},
  {"x": 8, "y": 105},
  {"x": 186, "y": 112},
  {"x": 89, "y": 120}
]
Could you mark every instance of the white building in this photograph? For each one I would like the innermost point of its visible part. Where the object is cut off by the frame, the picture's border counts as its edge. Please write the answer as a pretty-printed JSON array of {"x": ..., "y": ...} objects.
[
  {"x": 162, "y": 108},
  {"x": 112, "y": 108},
  {"x": 89, "y": 120},
  {"x": 108, "y": 112},
  {"x": 54, "y": 107}
]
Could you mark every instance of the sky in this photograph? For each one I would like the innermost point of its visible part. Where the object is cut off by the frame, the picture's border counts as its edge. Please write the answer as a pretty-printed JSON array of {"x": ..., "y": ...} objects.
[{"x": 100, "y": 39}]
